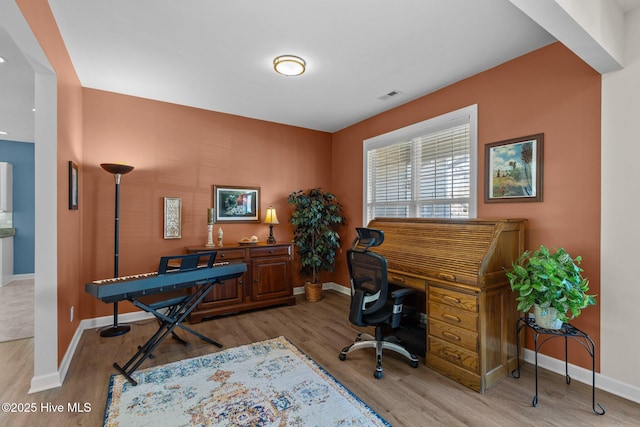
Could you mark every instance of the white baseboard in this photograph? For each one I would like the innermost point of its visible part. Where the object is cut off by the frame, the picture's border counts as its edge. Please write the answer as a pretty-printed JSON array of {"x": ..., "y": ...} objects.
[
  {"x": 583, "y": 375},
  {"x": 45, "y": 382},
  {"x": 55, "y": 380},
  {"x": 8, "y": 279},
  {"x": 325, "y": 286}
]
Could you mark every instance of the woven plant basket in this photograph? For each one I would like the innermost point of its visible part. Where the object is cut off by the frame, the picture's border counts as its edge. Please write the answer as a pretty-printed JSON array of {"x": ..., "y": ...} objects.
[{"x": 313, "y": 291}]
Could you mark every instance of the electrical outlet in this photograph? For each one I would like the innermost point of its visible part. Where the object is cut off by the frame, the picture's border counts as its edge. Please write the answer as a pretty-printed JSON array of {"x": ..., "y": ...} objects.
[{"x": 71, "y": 315}]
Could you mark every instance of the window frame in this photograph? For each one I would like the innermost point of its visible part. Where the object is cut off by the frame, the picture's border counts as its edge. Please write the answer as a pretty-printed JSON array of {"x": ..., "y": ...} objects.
[{"x": 445, "y": 121}]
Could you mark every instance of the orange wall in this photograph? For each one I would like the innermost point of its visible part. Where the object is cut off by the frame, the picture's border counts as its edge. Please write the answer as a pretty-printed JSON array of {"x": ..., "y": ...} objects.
[
  {"x": 549, "y": 91},
  {"x": 40, "y": 19},
  {"x": 182, "y": 152}
]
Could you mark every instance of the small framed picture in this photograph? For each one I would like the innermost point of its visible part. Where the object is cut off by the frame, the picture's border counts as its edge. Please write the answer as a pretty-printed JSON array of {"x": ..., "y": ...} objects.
[
  {"x": 236, "y": 204},
  {"x": 172, "y": 217},
  {"x": 513, "y": 170},
  {"x": 73, "y": 186}
]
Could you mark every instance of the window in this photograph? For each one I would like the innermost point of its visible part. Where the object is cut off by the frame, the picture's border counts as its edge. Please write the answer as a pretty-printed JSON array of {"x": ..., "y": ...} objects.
[{"x": 426, "y": 170}]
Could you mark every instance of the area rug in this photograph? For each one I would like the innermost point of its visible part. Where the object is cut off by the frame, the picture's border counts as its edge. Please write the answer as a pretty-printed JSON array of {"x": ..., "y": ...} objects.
[{"x": 269, "y": 383}]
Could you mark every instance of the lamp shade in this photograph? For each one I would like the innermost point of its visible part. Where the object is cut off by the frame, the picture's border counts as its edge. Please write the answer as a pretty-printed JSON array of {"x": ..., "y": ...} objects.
[
  {"x": 116, "y": 168},
  {"x": 271, "y": 217}
]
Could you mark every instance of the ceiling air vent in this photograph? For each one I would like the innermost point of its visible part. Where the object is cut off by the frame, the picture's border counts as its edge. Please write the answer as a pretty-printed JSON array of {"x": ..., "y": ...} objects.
[{"x": 389, "y": 95}]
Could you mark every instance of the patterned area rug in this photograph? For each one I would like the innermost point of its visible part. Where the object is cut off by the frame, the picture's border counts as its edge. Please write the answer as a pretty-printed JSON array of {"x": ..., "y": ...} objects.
[{"x": 269, "y": 383}]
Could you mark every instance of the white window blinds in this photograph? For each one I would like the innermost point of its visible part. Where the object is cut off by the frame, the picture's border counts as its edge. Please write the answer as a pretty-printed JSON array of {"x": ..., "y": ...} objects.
[{"x": 424, "y": 170}]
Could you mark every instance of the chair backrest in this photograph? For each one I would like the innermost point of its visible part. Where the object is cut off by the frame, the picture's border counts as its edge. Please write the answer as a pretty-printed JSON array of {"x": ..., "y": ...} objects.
[{"x": 368, "y": 274}]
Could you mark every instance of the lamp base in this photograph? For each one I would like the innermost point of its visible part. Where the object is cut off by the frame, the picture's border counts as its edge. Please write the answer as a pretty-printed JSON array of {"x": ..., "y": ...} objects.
[
  {"x": 271, "y": 239},
  {"x": 114, "y": 331}
]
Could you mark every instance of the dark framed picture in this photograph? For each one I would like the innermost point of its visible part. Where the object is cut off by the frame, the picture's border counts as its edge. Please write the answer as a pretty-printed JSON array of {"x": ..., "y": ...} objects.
[
  {"x": 236, "y": 204},
  {"x": 513, "y": 170},
  {"x": 73, "y": 186}
]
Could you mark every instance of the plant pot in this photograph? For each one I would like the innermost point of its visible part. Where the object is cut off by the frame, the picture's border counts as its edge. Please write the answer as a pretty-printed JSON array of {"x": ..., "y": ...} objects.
[
  {"x": 547, "y": 317},
  {"x": 313, "y": 291}
]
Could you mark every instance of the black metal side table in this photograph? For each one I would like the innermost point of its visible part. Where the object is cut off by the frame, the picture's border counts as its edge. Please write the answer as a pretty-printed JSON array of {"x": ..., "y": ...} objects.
[{"x": 567, "y": 331}]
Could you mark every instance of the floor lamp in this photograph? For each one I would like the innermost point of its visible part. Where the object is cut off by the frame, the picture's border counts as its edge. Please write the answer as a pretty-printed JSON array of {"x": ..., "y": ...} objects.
[{"x": 117, "y": 170}]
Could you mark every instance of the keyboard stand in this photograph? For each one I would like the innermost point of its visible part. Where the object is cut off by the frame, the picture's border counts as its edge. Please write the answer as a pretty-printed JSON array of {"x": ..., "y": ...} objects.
[{"x": 179, "y": 306}]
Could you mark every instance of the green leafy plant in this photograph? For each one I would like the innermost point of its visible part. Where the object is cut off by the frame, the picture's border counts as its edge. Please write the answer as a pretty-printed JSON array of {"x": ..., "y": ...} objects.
[
  {"x": 315, "y": 216},
  {"x": 550, "y": 280}
]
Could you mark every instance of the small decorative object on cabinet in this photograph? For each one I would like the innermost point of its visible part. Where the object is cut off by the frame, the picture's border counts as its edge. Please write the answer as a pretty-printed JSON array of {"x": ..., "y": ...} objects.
[
  {"x": 266, "y": 283},
  {"x": 315, "y": 216},
  {"x": 550, "y": 283}
]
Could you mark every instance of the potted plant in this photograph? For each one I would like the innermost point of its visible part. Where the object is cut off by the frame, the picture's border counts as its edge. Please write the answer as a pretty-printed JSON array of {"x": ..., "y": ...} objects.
[
  {"x": 315, "y": 215},
  {"x": 552, "y": 284}
]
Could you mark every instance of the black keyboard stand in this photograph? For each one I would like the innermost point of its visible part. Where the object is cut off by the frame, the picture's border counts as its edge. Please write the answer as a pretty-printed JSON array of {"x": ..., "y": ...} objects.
[
  {"x": 567, "y": 331},
  {"x": 179, "y": 308}
]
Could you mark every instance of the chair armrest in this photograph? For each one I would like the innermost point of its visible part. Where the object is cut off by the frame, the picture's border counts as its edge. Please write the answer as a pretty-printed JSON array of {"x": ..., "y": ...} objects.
[
  {"x": 398, "y": 295},
  {"x": 402, "y": 292}
]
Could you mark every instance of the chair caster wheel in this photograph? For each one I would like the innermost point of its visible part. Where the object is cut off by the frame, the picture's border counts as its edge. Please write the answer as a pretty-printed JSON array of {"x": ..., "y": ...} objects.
[
  {"x": 377, "y": 374},
  {"x": 342, "y": 356},
  {"x": 414, "y": 364}
]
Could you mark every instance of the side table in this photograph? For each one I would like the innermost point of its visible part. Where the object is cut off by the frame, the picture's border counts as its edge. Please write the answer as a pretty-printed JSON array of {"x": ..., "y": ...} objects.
[{"x": 567, "y": 331}]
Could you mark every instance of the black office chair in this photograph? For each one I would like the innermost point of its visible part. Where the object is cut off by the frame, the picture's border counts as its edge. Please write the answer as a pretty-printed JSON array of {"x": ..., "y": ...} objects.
[{"x": 370, "y": 305}]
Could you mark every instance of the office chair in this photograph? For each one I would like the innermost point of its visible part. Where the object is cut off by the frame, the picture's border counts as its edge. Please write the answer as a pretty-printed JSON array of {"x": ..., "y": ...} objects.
[{"x": 370, "y": 305}]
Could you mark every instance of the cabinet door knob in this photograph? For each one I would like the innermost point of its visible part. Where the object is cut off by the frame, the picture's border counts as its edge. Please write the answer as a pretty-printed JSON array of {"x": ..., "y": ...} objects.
[{"x": 221, "y": 255}]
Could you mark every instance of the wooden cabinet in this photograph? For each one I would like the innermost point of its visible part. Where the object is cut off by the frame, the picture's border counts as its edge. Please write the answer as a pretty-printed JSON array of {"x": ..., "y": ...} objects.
[{"x": 267, "y": 281}]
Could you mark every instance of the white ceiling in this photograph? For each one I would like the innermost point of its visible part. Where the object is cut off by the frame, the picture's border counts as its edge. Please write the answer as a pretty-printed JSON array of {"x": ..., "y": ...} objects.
[{"x": 217, "y": 55}]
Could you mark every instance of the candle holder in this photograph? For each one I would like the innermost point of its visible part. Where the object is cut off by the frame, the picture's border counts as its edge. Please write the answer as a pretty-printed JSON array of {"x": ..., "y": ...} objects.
[{"x": 210, "y": 243}]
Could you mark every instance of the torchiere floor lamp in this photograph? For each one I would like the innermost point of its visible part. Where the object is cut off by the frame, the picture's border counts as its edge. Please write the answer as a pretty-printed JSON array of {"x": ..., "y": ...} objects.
[{"x": 117, "y": 170}]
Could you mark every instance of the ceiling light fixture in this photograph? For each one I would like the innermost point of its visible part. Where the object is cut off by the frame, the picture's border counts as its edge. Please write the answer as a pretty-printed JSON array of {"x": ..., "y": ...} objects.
[
  {"x": 289, "y": 65},
  {"x": 2, "y": 60}
]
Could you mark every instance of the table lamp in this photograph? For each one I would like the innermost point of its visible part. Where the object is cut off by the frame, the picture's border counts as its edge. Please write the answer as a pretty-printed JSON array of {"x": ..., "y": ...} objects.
[{"x": 271, "y": 218}]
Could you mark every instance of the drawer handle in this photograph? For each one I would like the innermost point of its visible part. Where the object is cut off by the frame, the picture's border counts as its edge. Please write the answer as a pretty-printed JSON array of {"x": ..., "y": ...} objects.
[
  {"x": 451, "y": 299},
  {"x": 398, "y": 279},
  {"x": 221, "y": 255},
  {"x": 270, "y": 251},
  {"x": 446, "y": 276},
  {"x": 451, "y": 355},
  {"x": 450, "y": 335},
  {"x": 451, "y": 317}
]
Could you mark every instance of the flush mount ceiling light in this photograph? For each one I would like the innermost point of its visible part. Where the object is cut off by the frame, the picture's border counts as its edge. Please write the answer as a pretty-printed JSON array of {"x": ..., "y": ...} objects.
[
  {"x": 2, "y": 60},
  {"x": 289, "y": 65}
]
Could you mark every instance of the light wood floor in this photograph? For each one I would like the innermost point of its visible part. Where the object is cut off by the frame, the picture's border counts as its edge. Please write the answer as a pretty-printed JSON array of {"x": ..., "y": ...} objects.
[
  {"x": 404, "y": 396},
  {"x": 16, "y": 316}
]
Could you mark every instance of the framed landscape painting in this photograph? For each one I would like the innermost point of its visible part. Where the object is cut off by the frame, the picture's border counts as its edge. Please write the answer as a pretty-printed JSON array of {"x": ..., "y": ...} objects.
[
  {"x": 513, "y": 170},
  {"x": 236, "y": 204}
]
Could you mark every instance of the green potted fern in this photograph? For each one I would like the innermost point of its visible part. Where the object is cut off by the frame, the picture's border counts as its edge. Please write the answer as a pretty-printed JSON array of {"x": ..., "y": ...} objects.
[
  {"x": 552, "y": 284},
  {"x": 315, "y": 216}
]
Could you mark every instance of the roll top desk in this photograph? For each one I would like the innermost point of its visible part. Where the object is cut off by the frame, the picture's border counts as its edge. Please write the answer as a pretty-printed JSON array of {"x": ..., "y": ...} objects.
[{"x": 471, "y": 310}]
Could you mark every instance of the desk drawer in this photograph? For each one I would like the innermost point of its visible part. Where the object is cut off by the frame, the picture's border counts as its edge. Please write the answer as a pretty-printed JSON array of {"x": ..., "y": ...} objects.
[
  {"x": 452, "y": 334},
  {"x": 453, "y": 298},
  {"x": 453, "y": 316},
  {"x": 230, "y": 255},
  {"x": 454, "y": 354},
  {"x": 407, "y": 281},
  {"x": 269, "y": 251}
]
